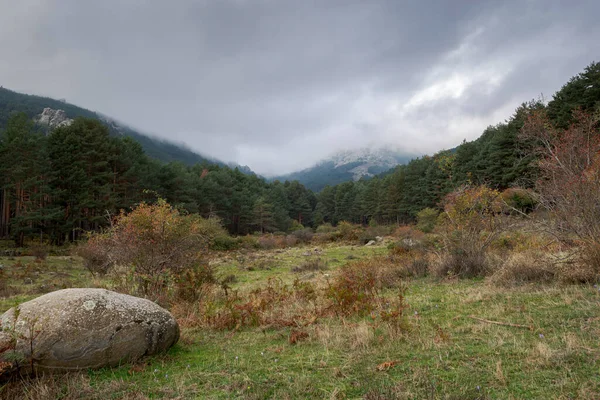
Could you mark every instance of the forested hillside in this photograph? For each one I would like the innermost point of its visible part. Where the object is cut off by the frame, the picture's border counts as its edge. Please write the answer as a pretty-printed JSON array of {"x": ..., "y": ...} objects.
[
  {"x": 59, "y": 186},
  {"x": 13, "y": 102}
]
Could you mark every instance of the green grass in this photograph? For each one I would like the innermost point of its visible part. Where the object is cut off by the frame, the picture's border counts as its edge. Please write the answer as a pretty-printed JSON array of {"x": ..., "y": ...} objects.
[
  {"x": 446, "y": 354},
  {"x": 253, "y": 268}
]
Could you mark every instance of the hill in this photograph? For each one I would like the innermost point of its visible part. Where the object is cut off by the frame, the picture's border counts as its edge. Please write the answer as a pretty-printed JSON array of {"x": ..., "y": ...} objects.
[{"x": 162, "y": 150}]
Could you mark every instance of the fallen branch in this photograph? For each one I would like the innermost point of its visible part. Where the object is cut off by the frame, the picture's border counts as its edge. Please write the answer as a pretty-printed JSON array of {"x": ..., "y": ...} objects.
[{"x": 501, "y": 323}]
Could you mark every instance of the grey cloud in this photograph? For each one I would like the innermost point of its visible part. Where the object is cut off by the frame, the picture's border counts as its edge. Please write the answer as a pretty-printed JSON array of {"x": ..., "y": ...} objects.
[{"x": 279, "y": 85}]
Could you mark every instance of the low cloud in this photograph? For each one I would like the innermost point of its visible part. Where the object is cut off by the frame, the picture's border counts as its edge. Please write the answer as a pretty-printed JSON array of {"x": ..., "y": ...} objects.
[{"x": 279, "y": 85}]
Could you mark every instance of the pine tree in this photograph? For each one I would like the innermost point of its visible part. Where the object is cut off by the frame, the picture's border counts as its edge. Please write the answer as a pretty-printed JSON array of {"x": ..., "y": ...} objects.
[{"x": 24, "y": 180}]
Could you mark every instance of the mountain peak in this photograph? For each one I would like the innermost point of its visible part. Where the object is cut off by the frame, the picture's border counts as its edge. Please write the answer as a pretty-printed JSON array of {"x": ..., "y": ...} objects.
[{"x": 348, "y": 165}]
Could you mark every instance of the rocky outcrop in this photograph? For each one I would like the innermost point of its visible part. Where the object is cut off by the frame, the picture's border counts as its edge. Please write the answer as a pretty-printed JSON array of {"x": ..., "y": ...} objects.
[
  {"x": 74, "y": 329},
  {"x": 53, "y": 118}
]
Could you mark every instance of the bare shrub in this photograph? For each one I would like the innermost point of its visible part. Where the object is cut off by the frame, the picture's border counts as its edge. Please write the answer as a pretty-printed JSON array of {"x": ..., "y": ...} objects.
[
  {"x": 569, "y": 183},
  {"x": 40, "y": 252},
  {"x": 291, "y": 240},
  {"x": 418, "y": 267},
  {"x": 96, "y": 255},
  {"x": 267, "y": 242},
  {"x": 304, "y": 235},
  {"x": 465, "y": 265}
]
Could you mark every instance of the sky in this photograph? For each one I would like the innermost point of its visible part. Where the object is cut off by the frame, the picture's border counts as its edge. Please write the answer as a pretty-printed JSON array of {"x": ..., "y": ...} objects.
[{"x": 279, "y": 85}]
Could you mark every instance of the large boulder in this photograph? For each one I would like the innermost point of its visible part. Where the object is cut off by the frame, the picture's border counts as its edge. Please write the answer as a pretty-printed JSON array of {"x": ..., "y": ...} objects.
[{"x": 74, "y": 329}]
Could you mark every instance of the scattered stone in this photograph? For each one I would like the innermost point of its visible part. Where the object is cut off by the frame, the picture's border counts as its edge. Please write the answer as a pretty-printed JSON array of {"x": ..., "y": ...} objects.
[{"x": 74, "y": 329}]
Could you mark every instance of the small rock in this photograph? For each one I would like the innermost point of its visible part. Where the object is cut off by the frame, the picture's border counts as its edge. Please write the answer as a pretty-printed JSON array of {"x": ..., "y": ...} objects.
[{"x": 371, "y": 243}]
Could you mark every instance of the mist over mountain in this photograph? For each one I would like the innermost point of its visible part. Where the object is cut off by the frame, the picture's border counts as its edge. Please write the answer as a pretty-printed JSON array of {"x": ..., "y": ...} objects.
[{"x": 348, "y": 165}]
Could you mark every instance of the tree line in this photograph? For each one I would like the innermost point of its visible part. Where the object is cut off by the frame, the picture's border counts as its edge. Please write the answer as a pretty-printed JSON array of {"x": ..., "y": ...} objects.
[{"x": 58, "y": 186}]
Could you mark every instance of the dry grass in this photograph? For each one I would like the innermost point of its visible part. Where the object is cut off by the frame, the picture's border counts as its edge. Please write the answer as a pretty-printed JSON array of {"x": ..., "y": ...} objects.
[
  {"x": 520, "y": 268},
  {"x": 75, "y": 386}
]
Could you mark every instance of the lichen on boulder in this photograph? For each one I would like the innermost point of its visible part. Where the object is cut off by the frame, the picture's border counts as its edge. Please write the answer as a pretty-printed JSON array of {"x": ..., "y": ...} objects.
[{"x": 75, "y": 329}]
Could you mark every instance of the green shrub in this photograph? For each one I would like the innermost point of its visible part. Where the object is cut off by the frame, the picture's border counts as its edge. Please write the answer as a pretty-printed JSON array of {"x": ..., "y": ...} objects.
[
  {"x": 521, "y": 200},
  {"x": 325, "y": 228},
  {"x": 427, "y": 219},
  {"x": 225, "y": 243},
  {"x": 296, "y": 226},
  {"x": 249, "y": 242},
  {"x": 348, "y": 231}
]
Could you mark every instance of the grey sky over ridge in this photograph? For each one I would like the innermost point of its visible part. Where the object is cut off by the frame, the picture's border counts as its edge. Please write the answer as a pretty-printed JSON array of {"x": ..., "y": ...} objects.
[{"x": 279, "y": 85}]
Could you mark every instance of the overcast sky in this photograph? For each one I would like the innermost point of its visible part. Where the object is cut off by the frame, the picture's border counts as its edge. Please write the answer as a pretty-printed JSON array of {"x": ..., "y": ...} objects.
[{"x": 278, "y": 85}]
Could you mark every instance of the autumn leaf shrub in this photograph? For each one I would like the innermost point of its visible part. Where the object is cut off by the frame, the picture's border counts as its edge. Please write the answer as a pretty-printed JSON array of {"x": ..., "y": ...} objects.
[
  {"x": 569, "y": 185},
  {"x": 267, "y": 242},
  {"x": 348, "y": 231},
  {"x": 471, "y": 221},
  {"x": 147, "y": 249},
  {"x": 275, "y": 304},
  {"x": 410, "y": 259},
  {"x": 357, "y": 287}
]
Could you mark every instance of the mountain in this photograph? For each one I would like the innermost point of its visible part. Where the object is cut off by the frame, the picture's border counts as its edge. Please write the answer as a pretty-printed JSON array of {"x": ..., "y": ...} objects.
[
  {"x": 50, "y": 113},
  {"x": 350, "y": 165}
]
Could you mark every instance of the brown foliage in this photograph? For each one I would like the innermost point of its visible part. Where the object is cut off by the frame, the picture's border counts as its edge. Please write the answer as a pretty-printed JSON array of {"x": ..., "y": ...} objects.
[
  {"x": 149, "y": 247},
  {"x": 569, "y": 180}
]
